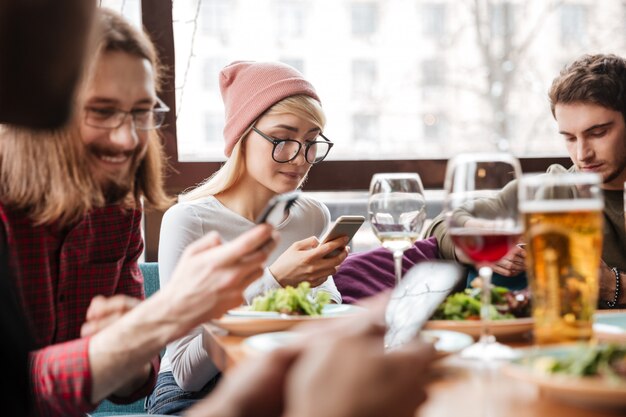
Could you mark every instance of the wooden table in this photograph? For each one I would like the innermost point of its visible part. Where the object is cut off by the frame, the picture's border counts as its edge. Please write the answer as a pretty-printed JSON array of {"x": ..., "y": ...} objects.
[{"x": 459, "y": 387}]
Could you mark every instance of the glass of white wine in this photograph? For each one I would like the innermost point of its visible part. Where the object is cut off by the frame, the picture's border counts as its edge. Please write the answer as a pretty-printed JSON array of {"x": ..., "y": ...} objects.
[{"x": 397, "y": 211}]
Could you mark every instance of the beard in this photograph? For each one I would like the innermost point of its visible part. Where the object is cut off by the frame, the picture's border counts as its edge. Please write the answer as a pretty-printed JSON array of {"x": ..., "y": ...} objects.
[{"x": 117, "y": 186}]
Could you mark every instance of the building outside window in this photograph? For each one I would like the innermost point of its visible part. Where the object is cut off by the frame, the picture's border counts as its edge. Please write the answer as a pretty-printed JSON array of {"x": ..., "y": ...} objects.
[
  {"x": 291, "y": 19},
  {"x": 365, "y": 128},
  {"x": 377, "y": 92},
  {"x": 364, "y": 17},
  {"x": 364, "y": 75},
  {"x": 433, "y": 17},
  {"x": 573, "y": 24},
  {"x": 215, "y": 18}
]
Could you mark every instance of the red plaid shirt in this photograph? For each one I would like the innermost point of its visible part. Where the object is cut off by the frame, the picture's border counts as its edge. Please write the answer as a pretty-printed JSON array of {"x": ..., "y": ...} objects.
[{"x": 58, "y": 272}]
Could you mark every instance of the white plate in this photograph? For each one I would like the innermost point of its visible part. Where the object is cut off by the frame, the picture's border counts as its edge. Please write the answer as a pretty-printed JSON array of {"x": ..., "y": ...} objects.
[
  {"x": 446, "y": 342},
  {"x": 593, "y": 392},
  {"x": 243, "y": 322},
  {"x": 610, "y": 326},
  {"x": 266, "y": 342},
  {"x": 499, "y": 328}
]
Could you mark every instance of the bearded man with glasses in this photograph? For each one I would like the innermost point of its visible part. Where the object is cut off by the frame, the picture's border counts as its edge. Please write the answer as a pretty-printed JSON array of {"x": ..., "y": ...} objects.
[{"x": 70, "y": 219}]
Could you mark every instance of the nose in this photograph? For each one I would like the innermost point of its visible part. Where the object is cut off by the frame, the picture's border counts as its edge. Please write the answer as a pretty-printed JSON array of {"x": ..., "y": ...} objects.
[
  {"x": 125, "y": 136},
  {"x": 584, "y": 151},
  {"x": 300, "y": 158}
]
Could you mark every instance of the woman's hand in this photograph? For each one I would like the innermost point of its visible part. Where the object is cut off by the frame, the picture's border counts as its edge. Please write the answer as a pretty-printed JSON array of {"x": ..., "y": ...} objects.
[{"x": 305, "y": 261}]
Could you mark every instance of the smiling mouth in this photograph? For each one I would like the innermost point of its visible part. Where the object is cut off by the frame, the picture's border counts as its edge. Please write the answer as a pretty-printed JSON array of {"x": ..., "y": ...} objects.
[{"x": 118, "y": 159}]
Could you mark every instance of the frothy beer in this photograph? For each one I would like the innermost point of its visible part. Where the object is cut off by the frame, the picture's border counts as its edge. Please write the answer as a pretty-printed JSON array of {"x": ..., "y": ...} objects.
[{"x": 564, "y": 248}]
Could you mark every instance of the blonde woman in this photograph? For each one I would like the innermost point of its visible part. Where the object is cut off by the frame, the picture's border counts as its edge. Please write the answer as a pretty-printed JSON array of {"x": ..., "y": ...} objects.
[{"x": 273, "y": 135}]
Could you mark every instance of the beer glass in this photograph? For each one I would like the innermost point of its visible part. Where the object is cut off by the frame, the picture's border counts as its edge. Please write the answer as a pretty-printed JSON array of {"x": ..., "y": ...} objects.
[
  {"x": 397, "y": 212},
  {"x": 563, "y": 232}
]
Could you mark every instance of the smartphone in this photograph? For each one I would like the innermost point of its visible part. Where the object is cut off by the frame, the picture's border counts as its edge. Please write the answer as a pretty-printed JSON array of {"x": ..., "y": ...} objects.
[
  {"x": 343, "y": 226},
  {"x": 277, "y": 208},
  {"x": 426, "y": 285}
]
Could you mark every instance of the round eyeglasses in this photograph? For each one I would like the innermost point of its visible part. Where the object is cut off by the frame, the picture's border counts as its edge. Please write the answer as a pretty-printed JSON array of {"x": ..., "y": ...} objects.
[
  {"x": 286, "y": 150},
  {"x": 112, "y": 118}
]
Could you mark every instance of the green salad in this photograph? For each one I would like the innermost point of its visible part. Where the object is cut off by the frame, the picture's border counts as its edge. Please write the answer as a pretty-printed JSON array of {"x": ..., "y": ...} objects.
[
  {"x": 505, "y": 304},
  {"x": 608, "y": 361},
  {"x": 295, "y": 301}
]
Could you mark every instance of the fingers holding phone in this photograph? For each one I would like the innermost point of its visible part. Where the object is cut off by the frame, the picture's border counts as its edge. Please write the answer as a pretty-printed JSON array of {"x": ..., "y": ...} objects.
[
  {"x": 344, "y": 226},
  {"x": 304, "y": 261}
]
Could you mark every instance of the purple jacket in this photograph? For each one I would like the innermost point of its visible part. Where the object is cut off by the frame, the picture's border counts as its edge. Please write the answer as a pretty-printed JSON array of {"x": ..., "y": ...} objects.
[{"x": 367, "y": 273}]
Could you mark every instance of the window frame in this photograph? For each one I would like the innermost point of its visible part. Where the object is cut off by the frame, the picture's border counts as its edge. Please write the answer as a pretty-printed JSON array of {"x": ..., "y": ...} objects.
[{"x": 334, "y": 175}]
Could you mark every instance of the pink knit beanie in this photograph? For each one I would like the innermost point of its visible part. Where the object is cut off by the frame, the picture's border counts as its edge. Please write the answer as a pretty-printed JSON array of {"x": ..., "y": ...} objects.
[{"x": 250, "y": 88}]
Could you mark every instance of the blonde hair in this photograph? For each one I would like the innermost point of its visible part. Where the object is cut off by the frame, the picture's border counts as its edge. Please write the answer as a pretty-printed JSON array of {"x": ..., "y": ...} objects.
[{"x": 228, "y": 175}]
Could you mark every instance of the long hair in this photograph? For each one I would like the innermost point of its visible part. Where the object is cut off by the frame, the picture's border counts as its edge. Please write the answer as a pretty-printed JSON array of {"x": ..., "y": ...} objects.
[
  {"x": 229, "y": 174},
  {"x": 118, "y": 35},
  {"x": 44, "y": 175}
]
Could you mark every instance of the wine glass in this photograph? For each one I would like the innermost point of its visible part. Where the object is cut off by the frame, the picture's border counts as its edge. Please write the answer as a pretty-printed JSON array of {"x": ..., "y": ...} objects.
[
  {"x": 397, "y": 211},
  {"x": 481, "y": 229}
]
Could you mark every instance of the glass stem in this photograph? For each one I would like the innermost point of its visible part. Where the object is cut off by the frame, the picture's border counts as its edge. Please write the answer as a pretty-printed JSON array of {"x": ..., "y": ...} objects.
[
  {"x": 485, "y": 273},
  {"x": 397, "y": 260}
]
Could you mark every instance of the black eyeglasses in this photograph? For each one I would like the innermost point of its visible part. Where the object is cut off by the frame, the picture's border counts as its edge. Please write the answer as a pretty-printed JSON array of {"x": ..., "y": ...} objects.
[
  {"x": 286, "y": 150},
  {"x": 112, "y": 118}
]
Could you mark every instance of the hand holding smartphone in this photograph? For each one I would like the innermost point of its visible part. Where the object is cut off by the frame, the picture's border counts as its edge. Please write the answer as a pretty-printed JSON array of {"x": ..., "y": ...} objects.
[{"x": 343, "y": 226}]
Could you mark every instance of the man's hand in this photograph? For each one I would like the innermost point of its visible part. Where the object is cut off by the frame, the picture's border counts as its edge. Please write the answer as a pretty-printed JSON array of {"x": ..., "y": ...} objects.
[
  {"x": 103, "y": 311},
  {"x": 353, "y": 375},
  {"x": 607, "y": 285},
  {"x": 512, "y": 264},
  {"x": 343, "y": 371},
  {"x": 210, "y": 277},
  {"x": 254, "y": 388}
]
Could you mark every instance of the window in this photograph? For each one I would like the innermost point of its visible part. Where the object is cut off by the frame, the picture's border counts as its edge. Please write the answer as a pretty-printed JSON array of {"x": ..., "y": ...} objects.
[
  {"x": 365, "y": 128},
  {"x": 573, "y": 24},
  {"x": 401, "y": 72},
  {"x": 434, "y": 127},
  {"x": 213, "y": 129},
  {"x": 501, "y": 19},
  {"x": 291, "y": 19},
  {"x": 363, "y": 78},
  {"x": 433, "y": 20},
  {"x": 433, "y": 73},
  {"x": 297, "y": 63},
  {"x": 215, "y": 18},
  {"x": 364, "y": 18},
  {"x": 131, "y": 9},
  {"x": 212, "y": 67}
]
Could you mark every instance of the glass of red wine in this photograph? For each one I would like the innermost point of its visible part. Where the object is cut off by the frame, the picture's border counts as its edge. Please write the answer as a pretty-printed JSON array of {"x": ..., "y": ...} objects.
[{"x": 484, "y": 229}]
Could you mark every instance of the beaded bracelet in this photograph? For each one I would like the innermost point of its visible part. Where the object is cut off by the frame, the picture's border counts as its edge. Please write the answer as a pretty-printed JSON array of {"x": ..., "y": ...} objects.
[{"x": 611, "y": 304}]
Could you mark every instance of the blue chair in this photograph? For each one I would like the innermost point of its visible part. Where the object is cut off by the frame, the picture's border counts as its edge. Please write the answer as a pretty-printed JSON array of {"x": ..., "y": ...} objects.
[{"x": 150, "y": 271}]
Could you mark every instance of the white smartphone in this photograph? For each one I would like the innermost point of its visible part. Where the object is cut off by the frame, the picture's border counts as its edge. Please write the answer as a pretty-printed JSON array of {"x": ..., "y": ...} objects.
[{"x": 343, "y": 226}]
